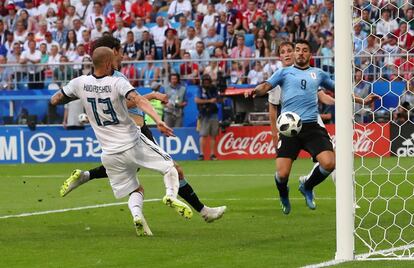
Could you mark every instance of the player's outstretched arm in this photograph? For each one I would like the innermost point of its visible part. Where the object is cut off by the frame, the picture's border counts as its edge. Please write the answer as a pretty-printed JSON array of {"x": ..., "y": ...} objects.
[
  {"x": 150, "y": 96},
  {"x": 325, "y": 98},
  {"x": 143, "y": 104},
  {"x": 59, "y": 98},
  {"x": 368, "y": 100},
  {"x": 261, "y": 89}
]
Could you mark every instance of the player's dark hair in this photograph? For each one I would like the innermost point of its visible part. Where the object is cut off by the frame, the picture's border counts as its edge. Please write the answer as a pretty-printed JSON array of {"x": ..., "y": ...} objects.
[
  {"x": 303, "y": 41},
  {"x": 283, "y": 44},
  {"x": 107, "y": 41}
]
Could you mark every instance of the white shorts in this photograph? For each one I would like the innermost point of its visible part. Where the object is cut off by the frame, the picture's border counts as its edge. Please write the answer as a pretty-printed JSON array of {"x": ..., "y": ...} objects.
[{"x": 122, "y": 167}]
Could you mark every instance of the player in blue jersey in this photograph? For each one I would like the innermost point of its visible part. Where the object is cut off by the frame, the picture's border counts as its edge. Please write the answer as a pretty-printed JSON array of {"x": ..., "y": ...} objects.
[
  {"x": 300, "y": 85},
  {"x": 79, "y": 177}
]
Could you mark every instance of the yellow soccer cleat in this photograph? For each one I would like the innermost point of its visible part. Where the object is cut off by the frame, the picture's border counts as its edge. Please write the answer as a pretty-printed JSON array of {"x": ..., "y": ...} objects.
[
  {"x": 179, "y": 206},
  {"x": 76, "y": 179},
  {"x": 141, "y": 227}
]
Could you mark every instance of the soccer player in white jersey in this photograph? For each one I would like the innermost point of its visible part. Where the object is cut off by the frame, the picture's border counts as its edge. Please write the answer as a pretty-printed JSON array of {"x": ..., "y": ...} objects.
[
  {"x": 124, "y": 147},
  {"x": 185, "y": 191}
]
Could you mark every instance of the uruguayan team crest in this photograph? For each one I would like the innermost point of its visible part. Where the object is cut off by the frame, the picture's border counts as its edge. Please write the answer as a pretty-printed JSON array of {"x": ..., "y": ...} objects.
[{"x": 313, "y": 75}]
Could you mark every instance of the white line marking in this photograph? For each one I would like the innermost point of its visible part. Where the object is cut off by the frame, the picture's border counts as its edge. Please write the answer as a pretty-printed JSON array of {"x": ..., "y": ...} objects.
[
  {"x": 28, "y": 214},
  {"x": 209, "y": 175}
]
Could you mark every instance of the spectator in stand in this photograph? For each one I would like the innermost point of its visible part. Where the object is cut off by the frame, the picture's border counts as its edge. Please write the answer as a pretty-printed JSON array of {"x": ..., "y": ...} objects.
[
  {"x": 3, "y": 33},
  {"x": 50, "y": 42},
  {"x": 237, "y": 76},
  {"x": 209, "y": 20},
  {"x": 200, "y": 55},
  {"x": 409, "y": 17},
  {"x": 212, "y": 69},
  {"x": 365, "y": 22},
  {"x": 60, "y": 34},
  {"x": 131, "y": 48},
  {"x": 189, "y": 43},
  {"x": 171, "y": 47},
  {"x": 328, "y": 9},
  {"x": 150, "y": 73},
  {"x": 131, "y": 73},
  {"x": 90, "y": 20},
  {"x": 30, "y": 58},
  {"x": 40, "y": 35},
  {"x": 182, "y": 29},
  {"x": 69, "y": 49},
  {"x": 361, "y": 89},
  {"x": 189, "y": 70},
  {"x": 87, "y": 43},
  {"x": 98, "y": 31},
  {"x": 241, "y": 51},
  {"x": 78, "y": 58},
  {"x": 222, "y": 64},
  {"x": 174, "y": 109},
  {"x": 6, "y": 75},
  {"x": 405, "y": 39},
  {"x": 8, "y": 45},
  {"x": 220, "y": 6},
  {"x": 390, "y": 47},
  {"x": 120, "y": 31},
  {"x": 31, "y": 8},
  {"x": 206, "y": 101},
  {"x": 250, "y": 17},
  {"x": 240, "y": 5},
  {"x": 272, "y": 66},
  {"x": 325, "y": 26},
  {"x": 179, "y": 8},
  {"x": 314, "y": 36},
  {"x": 158, "y": 34},
  {"x": 44, "y": 58},
  {"x": 233, "y": 15},
  {"x": 326, "y": 50},
  {"x": 287, "y": 17},
  {"x": 15, "y": 54},
  {"x": 386, "y": 24},
  {"x": 261, "y": 50},
  {"x": 19, "y": 71},
  {"x": 64, "y": 73},
  {"x": 117, "y": 12},
  {"x": 256, "y": 75},
  {"x": 221, "y": 26},
  {"x": 359, "y": 38},
  {"x": 213, "y": 41},
  {"x": 200, "y": 31},
  {"x": 28, "y": 22},
  {"x": 78, "y": 28},
  {"x": 142, "y": 9},
  {"x": 298, "y": 30},
  {"x": 54, "y": 57},
  {"x": 11, "y": 18},
  {"x": 30, "y": 37},
  {"x": 147, "y": 46},
  {"x": 70, "y": 17},
  {"x": 231, "y": 40},
  {"x": 138, "y": 29},
  {"x": 51, "y": 19},
  {"x": 202, "y": 8},
  {"x": 84, "y": 9},
  {"x": 43, "y": 8},
  {"x": 313, "y": 16},
  {"x": 273, "y": 41},
  {"x": 20, "y": 34}
]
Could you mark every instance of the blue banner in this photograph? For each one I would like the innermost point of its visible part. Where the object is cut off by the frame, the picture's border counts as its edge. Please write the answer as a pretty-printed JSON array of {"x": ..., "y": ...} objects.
[{"x": 55, "y": 144}]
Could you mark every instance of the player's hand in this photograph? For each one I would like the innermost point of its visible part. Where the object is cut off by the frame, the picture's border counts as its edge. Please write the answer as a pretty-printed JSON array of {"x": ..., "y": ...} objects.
[
  {"x": 164, "y": 129},
  {"x": 370, "y": 98},
  {"x": 275, "y": 141}
]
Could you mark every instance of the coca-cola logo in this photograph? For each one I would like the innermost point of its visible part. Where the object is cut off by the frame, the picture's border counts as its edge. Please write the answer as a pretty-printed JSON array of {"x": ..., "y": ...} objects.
[
  {"x": 362, "y": 142},
  {"x": 261, "y": 144}
]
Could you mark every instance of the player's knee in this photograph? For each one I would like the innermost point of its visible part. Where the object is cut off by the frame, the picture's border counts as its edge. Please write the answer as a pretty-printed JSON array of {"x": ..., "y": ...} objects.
[
  {"x": 328, "y": 164},
  {"x": 283, "y": 174},
  {"x": 140, "y": 189}
]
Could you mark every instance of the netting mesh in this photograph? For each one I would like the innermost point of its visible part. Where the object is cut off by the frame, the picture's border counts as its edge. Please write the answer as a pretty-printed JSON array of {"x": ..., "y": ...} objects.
[{"x": 384, "y": 131}]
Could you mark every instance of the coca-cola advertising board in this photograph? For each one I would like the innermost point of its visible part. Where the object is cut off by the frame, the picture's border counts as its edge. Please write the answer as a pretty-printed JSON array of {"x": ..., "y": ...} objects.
[{"x": 253, "y": 142}]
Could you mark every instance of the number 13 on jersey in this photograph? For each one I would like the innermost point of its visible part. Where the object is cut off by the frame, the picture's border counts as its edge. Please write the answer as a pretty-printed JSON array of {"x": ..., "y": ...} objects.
[{"x": 107, "y": 108}]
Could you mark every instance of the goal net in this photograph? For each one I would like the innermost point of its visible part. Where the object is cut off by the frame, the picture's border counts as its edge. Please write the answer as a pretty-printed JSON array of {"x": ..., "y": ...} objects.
[{"x": 383, "y": 38}]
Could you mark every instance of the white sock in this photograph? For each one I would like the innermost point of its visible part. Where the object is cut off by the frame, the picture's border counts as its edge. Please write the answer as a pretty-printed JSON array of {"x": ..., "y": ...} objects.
[
  {"x": 136, "y": 203},
  {"x": 86, "y": 175},
  {"x": 333, "y": 174},
  {"x": 171, "y": 182}
]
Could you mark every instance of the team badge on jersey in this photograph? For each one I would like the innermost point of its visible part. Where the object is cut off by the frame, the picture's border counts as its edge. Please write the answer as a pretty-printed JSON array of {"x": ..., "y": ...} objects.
[{"x": 313, "y": 75}]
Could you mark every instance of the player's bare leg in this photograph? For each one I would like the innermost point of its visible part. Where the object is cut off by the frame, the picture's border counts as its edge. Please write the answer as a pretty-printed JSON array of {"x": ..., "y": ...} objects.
[
  {"x": 135, "y": 204},
  {"x": 283, "y": 167}
]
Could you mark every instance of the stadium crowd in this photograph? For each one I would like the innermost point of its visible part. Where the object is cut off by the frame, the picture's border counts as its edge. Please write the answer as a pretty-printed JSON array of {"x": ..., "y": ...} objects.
[{"x": 209, "y": 37}]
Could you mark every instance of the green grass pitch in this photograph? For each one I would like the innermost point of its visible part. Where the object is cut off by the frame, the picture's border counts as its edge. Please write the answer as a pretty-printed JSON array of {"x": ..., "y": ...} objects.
[{"x": 252, "y": 233}]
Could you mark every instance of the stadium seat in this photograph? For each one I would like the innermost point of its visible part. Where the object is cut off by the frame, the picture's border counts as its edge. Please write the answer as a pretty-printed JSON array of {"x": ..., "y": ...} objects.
[
  {"x": 249, "y": 40},
  {"x": 175, "y": 25},
  {"x": 163, "y": 14},
  {"x": 150, "y": 25}
]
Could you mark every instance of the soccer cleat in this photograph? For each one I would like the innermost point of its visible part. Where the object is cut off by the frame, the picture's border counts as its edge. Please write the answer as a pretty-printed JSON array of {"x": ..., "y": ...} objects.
[
  {"x": 285, "y": 203},
  {"x": 200, "y": 157},
  {"x": 179, "y": 206},
  {"x": 308, "y": 194},
  {"x": 212, "y": 214},
  {"x": 76, "y": 179},
  {"x": 213, "y": 157},
  {"x": 303, "y": 179},
  {"x": 141, "y": 227}
]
